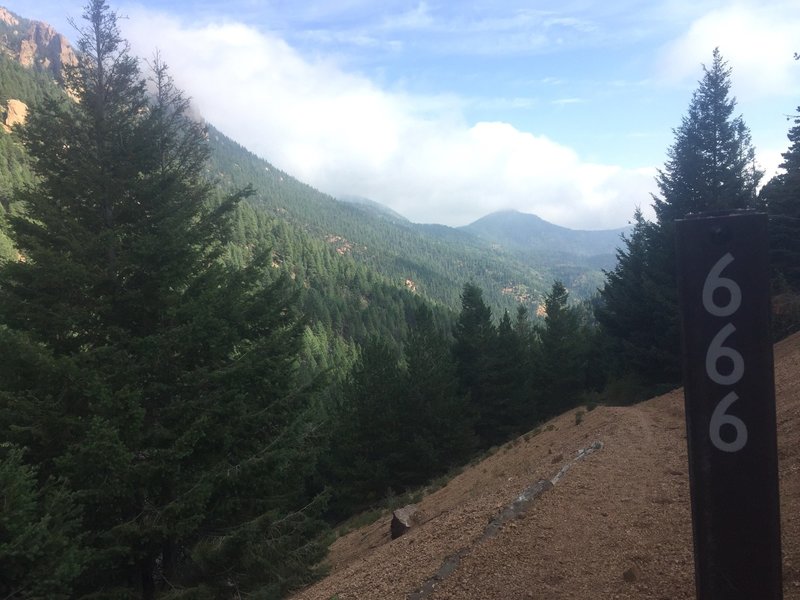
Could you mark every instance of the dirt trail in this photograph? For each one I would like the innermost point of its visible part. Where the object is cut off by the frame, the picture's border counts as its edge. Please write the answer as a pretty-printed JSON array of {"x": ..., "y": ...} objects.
[{"x": 616, "y": 525}]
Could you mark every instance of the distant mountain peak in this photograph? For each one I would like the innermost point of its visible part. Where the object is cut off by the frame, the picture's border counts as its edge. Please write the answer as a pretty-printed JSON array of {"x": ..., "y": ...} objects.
[
  {"x": 518, "y": 217},
  {"x": 529, "y": 232}
]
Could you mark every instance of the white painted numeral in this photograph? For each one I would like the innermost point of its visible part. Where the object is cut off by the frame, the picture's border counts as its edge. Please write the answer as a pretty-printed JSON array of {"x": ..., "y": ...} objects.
[
  {"x": 716, "y": 351},
  {"x": 719, "y": 418},
  {"x": 713, "y": 282}
]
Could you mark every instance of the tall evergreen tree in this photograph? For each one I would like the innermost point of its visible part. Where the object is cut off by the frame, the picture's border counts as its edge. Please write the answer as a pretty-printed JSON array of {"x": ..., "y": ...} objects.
[
  {"x": 475, "y": 336},
  {"x": 562, "y": 367},
  {"x": 710, "y": 167},
  {"x": 527, "y": 360},
  {"x": 781, "y": 198},
  {"x": 505, "y": 383},
  {"x": 368, "y": 442},
  {"x": 396, "y": 422},
  {"x": 633, "y": 328},
  {"x": 157, "y": 382},
  {"x": 439, "y": 421}
]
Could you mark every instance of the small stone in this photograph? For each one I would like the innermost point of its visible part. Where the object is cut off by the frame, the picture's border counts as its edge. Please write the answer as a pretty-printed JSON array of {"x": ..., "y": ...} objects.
[
  {"x": 632, "y": 574},
  {"x": 402, "y": 520}
]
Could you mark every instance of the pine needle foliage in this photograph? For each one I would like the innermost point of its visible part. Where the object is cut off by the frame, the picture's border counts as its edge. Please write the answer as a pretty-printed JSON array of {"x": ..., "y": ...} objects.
[
  {"x": 158, "y": 383},
  {"x": 710, "y": 167}
]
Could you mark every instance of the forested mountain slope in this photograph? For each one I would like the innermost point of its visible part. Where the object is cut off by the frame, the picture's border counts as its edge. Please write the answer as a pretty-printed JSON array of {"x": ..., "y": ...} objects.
[
  {"x": 529, "y": 232},
  {"x": 428, "y": 260},
  {"x": 576, "y": 257},
  {"x": 432, "y": 260},
  {"x": 375, "y": 207}
]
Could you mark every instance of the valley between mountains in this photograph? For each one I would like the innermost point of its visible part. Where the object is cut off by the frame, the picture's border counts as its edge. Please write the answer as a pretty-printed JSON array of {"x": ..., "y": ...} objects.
[{"x": 616, "y": 525}]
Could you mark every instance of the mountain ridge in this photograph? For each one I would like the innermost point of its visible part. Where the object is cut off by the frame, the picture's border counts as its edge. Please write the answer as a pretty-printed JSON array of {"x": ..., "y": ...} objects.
[
  {"x": 529, "y": 231},
  {"x": 438, "y": 259},
  {"x": 431, "y": 260}
]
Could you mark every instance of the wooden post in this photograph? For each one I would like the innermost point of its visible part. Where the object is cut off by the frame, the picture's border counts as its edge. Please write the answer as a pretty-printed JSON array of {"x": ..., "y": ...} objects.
[{"x": 723, "y": 284}]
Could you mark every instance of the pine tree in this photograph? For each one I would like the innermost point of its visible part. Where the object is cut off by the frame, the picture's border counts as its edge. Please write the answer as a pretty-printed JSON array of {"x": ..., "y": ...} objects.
[
  {"x": 781, "y": 198},
  {"x": 527, "y": 361},
  {"x": 397, "y": 421},
  {"x": 439, "y": 422},
  {"x": 505, "y": 384},
  {"x": 562, "y": 369},
  {"x": 626, "y": 312},
  {"x": 159, "y": 383},
  {"x": 366, "y": 457},
  {"x": 41, "y": 553},
  {"x": 710, "y": 167},
  {"x": 475, "y": 336}
]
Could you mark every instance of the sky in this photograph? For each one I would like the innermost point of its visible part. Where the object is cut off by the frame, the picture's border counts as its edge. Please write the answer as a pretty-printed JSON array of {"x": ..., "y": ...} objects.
[{"x": 446, "y": 111}]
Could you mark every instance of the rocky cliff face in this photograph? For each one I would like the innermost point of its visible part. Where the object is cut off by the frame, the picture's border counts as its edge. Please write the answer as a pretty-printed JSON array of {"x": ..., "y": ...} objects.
[
  {"x": 8, "y": 18},
  {"x": 15, "y": 113},
  {"x": 35, "y": 44},
  {"x": 46, "y": 48}
]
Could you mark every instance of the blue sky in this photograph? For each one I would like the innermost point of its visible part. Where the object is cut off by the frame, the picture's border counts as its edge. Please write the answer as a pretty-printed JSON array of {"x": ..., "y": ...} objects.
[{"x": 446, "y": 111}]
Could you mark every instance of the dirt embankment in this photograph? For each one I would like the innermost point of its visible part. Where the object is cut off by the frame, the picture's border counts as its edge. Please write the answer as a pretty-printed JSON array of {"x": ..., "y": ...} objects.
[{"x": 616, "y": 525}]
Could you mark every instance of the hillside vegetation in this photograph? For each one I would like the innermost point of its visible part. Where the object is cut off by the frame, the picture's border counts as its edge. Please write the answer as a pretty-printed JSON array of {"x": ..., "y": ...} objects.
[
  {"x": 433, "y": 260},
  {"x": 208, "y": 365}
]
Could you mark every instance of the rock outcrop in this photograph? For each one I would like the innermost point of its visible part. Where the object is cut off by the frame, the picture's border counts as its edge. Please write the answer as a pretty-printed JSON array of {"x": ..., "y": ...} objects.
[
  {"x": 8, "y": 18},
  {"x": 35, "y": 44},
  {"x": 43, "y": 47},
  {"x": 403, "y": 519},
  {"x": 15, "y": 113}
]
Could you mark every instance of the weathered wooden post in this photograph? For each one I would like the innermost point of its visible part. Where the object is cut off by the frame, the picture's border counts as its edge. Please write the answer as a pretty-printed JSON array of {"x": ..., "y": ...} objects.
[{"x": 723, "y": 284}]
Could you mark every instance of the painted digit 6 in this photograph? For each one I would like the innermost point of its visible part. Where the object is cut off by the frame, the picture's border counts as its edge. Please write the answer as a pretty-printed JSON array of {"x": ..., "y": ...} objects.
[
  {"x": 719, "y": 418},
  {"x": 716, "y": 351},
  {"x": 713, "y": 282}
]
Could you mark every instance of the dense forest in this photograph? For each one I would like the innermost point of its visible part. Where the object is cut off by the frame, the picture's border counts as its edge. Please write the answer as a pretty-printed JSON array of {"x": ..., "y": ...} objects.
[
  {"x": 200, "y": 382},
  {"x": 435, "y": 259}
]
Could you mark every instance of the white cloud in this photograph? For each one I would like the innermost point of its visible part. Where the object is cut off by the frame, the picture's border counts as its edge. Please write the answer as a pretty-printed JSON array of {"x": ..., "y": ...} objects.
[
  {"x": 416, "y": 18},
  {"x": 565, "y": 101},
  {"x": 343, "y": 134},
  {"x": 769, "y": 161},
  {"x": 757, "y": 39}
]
